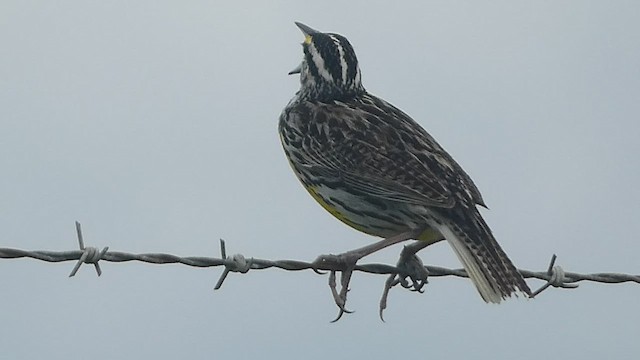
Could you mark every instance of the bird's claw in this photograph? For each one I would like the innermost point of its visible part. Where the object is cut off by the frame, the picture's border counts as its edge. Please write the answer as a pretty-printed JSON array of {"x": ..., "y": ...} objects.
[
  {"x": 413, "y": 276},
  {"x": 332, "y": 262}
]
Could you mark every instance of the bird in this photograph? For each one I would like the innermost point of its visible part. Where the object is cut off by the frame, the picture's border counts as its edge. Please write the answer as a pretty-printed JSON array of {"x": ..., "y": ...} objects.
[{"x": 374, "y": 168}]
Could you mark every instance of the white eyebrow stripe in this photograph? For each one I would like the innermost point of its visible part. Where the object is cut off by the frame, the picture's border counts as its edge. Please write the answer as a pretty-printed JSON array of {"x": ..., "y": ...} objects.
[
  {"x": 343, "y": 62},
  {"x": 319, "y": 62}
]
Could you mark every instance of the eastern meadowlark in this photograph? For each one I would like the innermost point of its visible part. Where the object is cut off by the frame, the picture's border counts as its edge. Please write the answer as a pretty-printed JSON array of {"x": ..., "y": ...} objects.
[{"x": 375, "y": 169}]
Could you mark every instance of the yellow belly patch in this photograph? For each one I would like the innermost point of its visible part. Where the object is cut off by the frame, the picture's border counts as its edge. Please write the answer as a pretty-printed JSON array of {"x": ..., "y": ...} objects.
[{"x": 429, "y": 235}]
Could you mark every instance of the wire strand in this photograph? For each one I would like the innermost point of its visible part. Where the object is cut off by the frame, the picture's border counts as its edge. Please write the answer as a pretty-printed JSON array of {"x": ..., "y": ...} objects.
[
  {"x": 290, "y": 265},
  {"x": 554, "y": 275}
]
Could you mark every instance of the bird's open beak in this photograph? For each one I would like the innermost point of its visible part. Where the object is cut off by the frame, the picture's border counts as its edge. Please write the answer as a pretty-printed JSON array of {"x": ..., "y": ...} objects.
[{"x": 308, "y": 32}]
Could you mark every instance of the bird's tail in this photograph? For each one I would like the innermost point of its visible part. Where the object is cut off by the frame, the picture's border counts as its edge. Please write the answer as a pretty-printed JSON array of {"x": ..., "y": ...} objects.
[{"x": 491, "y": 271}]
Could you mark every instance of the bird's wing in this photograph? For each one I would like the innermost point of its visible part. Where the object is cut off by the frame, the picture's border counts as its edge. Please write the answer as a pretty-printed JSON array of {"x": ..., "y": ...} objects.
[{"x": 376, "y": 149}]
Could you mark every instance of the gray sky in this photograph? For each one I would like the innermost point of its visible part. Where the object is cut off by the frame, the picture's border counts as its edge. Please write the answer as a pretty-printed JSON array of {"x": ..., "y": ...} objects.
[{"x": 154, "y": 124}]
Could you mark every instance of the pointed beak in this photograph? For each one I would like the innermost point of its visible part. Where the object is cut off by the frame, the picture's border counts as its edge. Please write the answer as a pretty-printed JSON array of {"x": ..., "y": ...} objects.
[
  {"x": 307, "y": 31},
  {"x": 297, "y": 70}
]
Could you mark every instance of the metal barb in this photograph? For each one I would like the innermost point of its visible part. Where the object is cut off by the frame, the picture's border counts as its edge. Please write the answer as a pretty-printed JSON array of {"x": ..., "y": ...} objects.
[
  {"x": 223, "y": 276},
  {"x": 90, "y": 255},
  {"x": 223, "y": 249},
  {"x": 79, "y": 233},
  {"x": 556, "y": 278},
  {"x": 235, "y": 263}
]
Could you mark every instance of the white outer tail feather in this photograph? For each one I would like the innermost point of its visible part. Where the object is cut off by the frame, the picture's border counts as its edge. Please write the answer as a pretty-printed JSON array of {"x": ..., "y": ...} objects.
[{"x": 471, "y": 265}]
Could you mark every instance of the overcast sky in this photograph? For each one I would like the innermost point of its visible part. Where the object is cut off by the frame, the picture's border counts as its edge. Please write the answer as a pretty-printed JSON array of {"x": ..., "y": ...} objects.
[{"x": 154, "y": 124}]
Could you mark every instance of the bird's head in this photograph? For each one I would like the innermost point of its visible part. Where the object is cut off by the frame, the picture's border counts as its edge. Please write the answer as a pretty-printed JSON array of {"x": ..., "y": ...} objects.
[{"x": 329, "y": 70}]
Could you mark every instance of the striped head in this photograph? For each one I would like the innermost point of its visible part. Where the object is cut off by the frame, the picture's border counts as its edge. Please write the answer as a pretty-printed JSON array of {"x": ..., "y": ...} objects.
[{"x": 329, "y": 70}]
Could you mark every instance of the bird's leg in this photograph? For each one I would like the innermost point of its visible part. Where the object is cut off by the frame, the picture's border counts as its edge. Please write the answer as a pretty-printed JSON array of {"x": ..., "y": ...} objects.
[
  {"x": 412, "y": 267},
  {"x": 346, "y": 263}
]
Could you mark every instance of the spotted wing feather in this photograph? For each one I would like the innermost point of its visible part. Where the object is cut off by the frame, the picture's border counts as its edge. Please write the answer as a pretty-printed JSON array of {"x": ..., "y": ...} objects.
[{"x": 381, "y": 153}]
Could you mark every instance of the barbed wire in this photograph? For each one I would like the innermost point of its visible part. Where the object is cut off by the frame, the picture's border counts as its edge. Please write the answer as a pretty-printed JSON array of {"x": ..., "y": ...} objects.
[{"x": 554, "y": 276}]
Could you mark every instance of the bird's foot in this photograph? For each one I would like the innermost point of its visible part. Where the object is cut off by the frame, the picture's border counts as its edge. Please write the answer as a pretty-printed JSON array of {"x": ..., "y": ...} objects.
[
  {"x": 413, "y": 275},
  {"x": 346, "y": 263}
]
